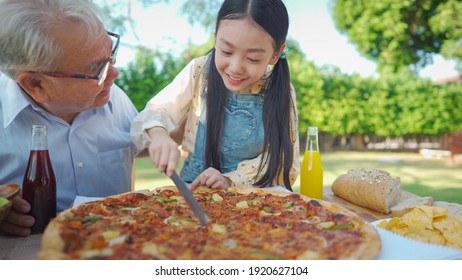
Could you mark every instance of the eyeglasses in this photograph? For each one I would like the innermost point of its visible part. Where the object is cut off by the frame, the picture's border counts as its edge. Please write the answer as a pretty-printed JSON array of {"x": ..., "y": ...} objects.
[{"x": 101, "y": 74}]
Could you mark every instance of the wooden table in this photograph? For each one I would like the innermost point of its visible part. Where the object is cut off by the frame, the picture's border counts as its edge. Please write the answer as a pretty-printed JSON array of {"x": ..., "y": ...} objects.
[{"x": 19, "y": 248}]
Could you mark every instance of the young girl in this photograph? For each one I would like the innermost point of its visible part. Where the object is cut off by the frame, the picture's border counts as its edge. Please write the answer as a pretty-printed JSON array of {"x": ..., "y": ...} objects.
[{"x": 237, "y": 104}]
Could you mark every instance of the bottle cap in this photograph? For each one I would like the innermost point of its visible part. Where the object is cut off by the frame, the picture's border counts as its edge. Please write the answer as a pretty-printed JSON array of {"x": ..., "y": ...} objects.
[
  {"x": 312, "y": 130},
  {"x": 39, "y": 128}
]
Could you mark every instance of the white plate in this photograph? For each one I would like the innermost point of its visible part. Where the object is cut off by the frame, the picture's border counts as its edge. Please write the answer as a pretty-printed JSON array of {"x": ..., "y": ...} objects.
[{"x": 397, "y": 247}]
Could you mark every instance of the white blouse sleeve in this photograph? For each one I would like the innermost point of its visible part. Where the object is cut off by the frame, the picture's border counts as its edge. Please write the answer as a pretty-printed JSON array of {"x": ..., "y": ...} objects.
[{"x": 166, "y": 109}]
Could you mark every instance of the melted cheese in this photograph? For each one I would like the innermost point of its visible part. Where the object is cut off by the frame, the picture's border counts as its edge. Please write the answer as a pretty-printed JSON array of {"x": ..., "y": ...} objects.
[
  {"x": 217, "y": 198},
  {"x": 242, "y": 204},
  {"x": 218, "y": 228},
  {"x": 153, "y": 249}
]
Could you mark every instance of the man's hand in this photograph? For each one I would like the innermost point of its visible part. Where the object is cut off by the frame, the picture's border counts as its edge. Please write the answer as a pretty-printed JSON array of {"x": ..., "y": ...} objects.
[{"x": 17, "y": 222}]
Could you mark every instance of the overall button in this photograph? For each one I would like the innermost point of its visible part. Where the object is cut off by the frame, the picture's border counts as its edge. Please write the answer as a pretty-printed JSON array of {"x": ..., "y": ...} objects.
[{"x": 81, "y": 165}]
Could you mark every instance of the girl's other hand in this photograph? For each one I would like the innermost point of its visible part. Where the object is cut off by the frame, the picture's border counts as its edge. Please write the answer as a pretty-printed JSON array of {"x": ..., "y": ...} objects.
[
  {"x": 163, "y": 150},
  {"x": 211, "y": 178}
]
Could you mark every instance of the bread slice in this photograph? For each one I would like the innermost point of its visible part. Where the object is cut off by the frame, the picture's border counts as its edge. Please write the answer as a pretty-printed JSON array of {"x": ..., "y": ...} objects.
[
  {"x": 453, "y": 208},
  {"x": 374, "y": 189},
  {"x": 408, "y": 204}
]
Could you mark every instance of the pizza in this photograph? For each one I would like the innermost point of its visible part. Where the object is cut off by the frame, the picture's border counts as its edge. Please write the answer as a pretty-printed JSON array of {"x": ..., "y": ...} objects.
[{"x": 246, "y": 223}]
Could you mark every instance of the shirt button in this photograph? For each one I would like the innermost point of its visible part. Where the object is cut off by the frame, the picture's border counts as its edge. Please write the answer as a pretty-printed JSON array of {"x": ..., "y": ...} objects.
[{"x": 81, "y": 164}]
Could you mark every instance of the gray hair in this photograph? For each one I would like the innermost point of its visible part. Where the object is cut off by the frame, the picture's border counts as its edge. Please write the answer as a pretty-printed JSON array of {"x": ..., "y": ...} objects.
[{"x": 26, "y": 43}]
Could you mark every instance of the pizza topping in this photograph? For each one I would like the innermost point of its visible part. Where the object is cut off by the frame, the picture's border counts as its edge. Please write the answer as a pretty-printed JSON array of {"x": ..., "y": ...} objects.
[
  {"x": 230, "y": 244},
  {"x": 126, "y": 220},
  {"x": 129, "y": 209},
  {"x": 315, "y": 203},
  {"x": 164, "y": 200},
  {"x": 177, "y": 222},
  {"x": 265, "y": 255},
  {"x": 342, "y": 226},
  {"x": 242, "y": 204},
  {"x": 325, "y": 225},
  {"x": 289, "y": 204},
  {"x": 218, "y": 228},
  {"x": 153, "y": 249},
  {"x": 217, "y": 198},
  {"x": 110, "y": 234},
  {"x": 117, "y": 241},
  {"x": 86, "y": 219}
]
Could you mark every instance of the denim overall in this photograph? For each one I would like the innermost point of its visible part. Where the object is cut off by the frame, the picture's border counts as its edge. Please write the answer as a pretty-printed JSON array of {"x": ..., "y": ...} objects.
[{"x": 243, "y": 135}]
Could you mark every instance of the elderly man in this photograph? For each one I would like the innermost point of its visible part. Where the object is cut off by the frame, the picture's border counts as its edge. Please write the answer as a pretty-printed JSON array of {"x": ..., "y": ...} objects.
[{"x": 57, "y": 61}]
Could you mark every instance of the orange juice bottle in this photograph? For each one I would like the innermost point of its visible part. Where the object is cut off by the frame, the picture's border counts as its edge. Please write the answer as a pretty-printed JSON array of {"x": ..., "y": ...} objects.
[{"x": 311, "y": 174}]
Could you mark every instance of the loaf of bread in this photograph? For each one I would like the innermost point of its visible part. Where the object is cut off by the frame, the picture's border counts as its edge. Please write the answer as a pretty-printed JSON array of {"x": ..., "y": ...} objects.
[
  {"x": 374, "y": 189},
  {"x": 408, "y": 204}
]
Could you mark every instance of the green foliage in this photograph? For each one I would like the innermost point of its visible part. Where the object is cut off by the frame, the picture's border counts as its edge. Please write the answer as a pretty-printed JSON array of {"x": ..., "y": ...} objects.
[
  {"x": 203, "y": 12},
  {"x": 307, "y": 82},
  {"x": 447, "y": 20},
  {"x": 397, "y": 104},
  {"x": 148, "y": 74},
  {"x": 399, "y": 33},
  {"x": 117, "y": 13}
]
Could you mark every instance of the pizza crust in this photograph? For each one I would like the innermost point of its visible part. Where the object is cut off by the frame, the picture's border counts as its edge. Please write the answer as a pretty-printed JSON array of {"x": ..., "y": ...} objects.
[{"x": 52, "y": 245}]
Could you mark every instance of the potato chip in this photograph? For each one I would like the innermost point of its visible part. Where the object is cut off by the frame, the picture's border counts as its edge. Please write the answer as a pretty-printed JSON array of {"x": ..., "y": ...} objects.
[
  {"x": 428, "y": 224},
  {"x": 419, "y": 218},
  {"x": 451, "y": 228},
  {"x": 388, "y": 225},
  {"x": 429, "y": 236},
  {"x": 439, "y": 212}
]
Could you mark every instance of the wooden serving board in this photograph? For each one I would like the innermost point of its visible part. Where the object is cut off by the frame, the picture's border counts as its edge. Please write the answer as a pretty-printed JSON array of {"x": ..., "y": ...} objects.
[{"x": 367, "y": 214}]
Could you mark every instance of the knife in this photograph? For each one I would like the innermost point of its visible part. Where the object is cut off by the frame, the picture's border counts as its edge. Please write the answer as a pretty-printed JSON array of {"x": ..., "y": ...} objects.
[{"x": 190, "y": 199}]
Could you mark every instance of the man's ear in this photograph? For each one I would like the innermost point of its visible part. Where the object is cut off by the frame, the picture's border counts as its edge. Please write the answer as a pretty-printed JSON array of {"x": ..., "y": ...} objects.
[
  {"x": 276, "y": 56},
  {"x": 33, "y": 85}
]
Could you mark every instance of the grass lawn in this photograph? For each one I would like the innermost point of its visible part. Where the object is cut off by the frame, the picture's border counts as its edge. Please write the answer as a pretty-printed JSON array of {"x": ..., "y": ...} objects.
[{"x": 424, "y": 177}]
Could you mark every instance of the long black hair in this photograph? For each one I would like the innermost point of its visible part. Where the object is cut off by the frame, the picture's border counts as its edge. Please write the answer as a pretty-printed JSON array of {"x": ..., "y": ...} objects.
[{"x": 271, "y": 15}]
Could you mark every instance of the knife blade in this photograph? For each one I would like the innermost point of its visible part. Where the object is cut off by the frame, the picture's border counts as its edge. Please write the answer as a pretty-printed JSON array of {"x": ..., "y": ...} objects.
[{"x": 190, "y": 199}]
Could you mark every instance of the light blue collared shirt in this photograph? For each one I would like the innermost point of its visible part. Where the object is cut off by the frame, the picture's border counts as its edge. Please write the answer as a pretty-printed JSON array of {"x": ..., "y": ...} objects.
[{"x": 92, "y": 156}]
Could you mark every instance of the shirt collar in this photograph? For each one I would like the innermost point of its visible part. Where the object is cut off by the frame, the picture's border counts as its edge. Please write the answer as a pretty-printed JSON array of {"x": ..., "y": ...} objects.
[
  {"x": 109, "y": 103},
  {"x": 15, "y": 100}
]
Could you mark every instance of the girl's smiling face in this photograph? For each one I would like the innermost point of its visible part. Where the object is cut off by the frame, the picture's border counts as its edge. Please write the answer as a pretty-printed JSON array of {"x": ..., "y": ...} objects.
[{"x": 242, "y": 53}]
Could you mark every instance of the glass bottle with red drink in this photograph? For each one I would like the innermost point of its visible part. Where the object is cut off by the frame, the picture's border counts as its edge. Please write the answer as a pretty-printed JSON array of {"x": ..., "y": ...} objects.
[{"x": 39, "y": 183}]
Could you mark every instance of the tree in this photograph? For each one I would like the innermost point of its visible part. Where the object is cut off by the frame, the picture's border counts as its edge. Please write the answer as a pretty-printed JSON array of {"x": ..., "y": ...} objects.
[
  {"x": 203, "y": 12},
  {"x": 148, "y": 74},
  {"x": 118, "y": 13},
  {"x": 399, "y": 33}
]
